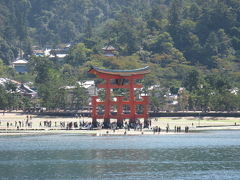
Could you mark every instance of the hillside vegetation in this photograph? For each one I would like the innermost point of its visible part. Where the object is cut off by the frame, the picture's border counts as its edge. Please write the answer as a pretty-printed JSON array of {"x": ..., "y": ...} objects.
[{"x": 193, "y": 44}]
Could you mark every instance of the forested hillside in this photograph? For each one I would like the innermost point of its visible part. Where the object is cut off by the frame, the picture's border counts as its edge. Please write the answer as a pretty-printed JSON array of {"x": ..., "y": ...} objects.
[
  {"x": 202, "y": 30},
  {"x": 187, "y": 43}
]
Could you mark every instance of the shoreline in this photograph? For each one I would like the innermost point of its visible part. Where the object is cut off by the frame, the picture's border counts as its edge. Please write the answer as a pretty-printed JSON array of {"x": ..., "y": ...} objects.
[
  {"x": 30, "y": 124},
  {"x": 108, "y": 132}
]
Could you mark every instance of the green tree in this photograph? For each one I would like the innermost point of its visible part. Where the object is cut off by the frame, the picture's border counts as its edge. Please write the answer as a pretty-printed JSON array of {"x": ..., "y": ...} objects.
[
  {"x": 40, "y": 66},
  {"x": 61, "y": 98},
  {"x": 225, "y": 101},
  {"x": 224, "y": 45},
  {"x": 157, "y": 99},
  {"x": 48, "y": 90},
  {"x": 80, "y": 96},
  {"x": 175, "y": 17},
  {"x": 194, "y": 12},
  {"x": 162, "y": 43},
  {"x": 192, "y": 80},
  {"x": 3, "y": 98},
  {"x": 26, "y": 103},
  {"x": 78, "y": 55},
  {"x": 7, "y": 52},
  {"x": 183, "y": 100},
  {"x": 4, "y": 70}
]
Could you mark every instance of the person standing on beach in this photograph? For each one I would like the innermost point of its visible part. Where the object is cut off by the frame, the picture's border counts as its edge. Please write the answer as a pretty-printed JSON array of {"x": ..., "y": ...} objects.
[
  {"x": 159, "y": 130},
  {"x": 26, "y": 123},
  {"x": 167, "y": 128}
]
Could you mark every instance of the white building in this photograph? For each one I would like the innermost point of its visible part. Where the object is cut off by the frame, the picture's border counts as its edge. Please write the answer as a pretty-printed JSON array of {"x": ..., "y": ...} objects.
[
  {"x": 90, "y": 86},
  {"x": 20, "y": 65}
]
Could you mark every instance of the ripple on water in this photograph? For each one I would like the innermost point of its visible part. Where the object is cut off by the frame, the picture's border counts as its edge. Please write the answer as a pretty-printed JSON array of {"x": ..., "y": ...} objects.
[{"x": 212, "y": 155}]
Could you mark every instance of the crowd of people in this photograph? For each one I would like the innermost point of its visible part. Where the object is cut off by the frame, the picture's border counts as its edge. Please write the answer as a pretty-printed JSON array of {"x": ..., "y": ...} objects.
[
  {"x": 19, "y": 124},
  {"x": 177, "y": 129},
  {"x": 78, "y": 122}
]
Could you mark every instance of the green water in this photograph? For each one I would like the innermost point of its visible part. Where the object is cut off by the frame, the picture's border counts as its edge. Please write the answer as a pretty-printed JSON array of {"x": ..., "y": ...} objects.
[{"x": 209, "y": 155}]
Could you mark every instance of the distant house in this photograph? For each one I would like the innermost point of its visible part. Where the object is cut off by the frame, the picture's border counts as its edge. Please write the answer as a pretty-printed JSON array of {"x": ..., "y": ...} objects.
[
  {"x": 39, "y": 53},
  {"x": 234, "y": 91},
  {"x": 58, "y": 56},
  {"x": 109, "y": 50},
  {"x": 20, "y": 65},
  {"x": 51, "y": 53},
  {"x": 27, "y": 91},
  {"x": 90, "y": 86},
  {"x": 3, "y": 81},
  {"x": 23, "y": 89},
  {"x": 60, "y": 52}
]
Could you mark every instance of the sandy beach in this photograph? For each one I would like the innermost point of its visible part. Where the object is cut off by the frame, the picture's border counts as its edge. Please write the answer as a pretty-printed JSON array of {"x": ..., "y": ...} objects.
[{"x": 26, "y": 124}]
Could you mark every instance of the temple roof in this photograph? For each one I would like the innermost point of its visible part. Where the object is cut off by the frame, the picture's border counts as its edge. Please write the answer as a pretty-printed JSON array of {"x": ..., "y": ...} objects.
[
  {"x": 131, "y": 72},
  {"x": 20, "y": 61},
  {"x": 108, "y": 48}
]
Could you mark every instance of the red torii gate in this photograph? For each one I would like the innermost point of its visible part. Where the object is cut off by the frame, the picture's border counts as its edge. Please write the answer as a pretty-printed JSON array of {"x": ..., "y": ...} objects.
[{"x": 119, "y": 76}]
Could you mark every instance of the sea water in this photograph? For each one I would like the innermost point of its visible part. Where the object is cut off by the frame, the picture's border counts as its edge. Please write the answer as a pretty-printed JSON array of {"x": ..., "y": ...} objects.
[{"x": 206, "y": 155}]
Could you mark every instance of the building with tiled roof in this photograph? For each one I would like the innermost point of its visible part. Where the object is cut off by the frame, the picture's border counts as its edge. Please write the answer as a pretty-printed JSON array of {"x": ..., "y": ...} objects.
[{"x": 20, "y": 65}]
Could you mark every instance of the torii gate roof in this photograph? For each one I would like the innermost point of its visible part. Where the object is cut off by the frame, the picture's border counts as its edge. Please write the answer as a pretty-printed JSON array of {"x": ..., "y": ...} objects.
[{"x": 140, "y": 71}]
